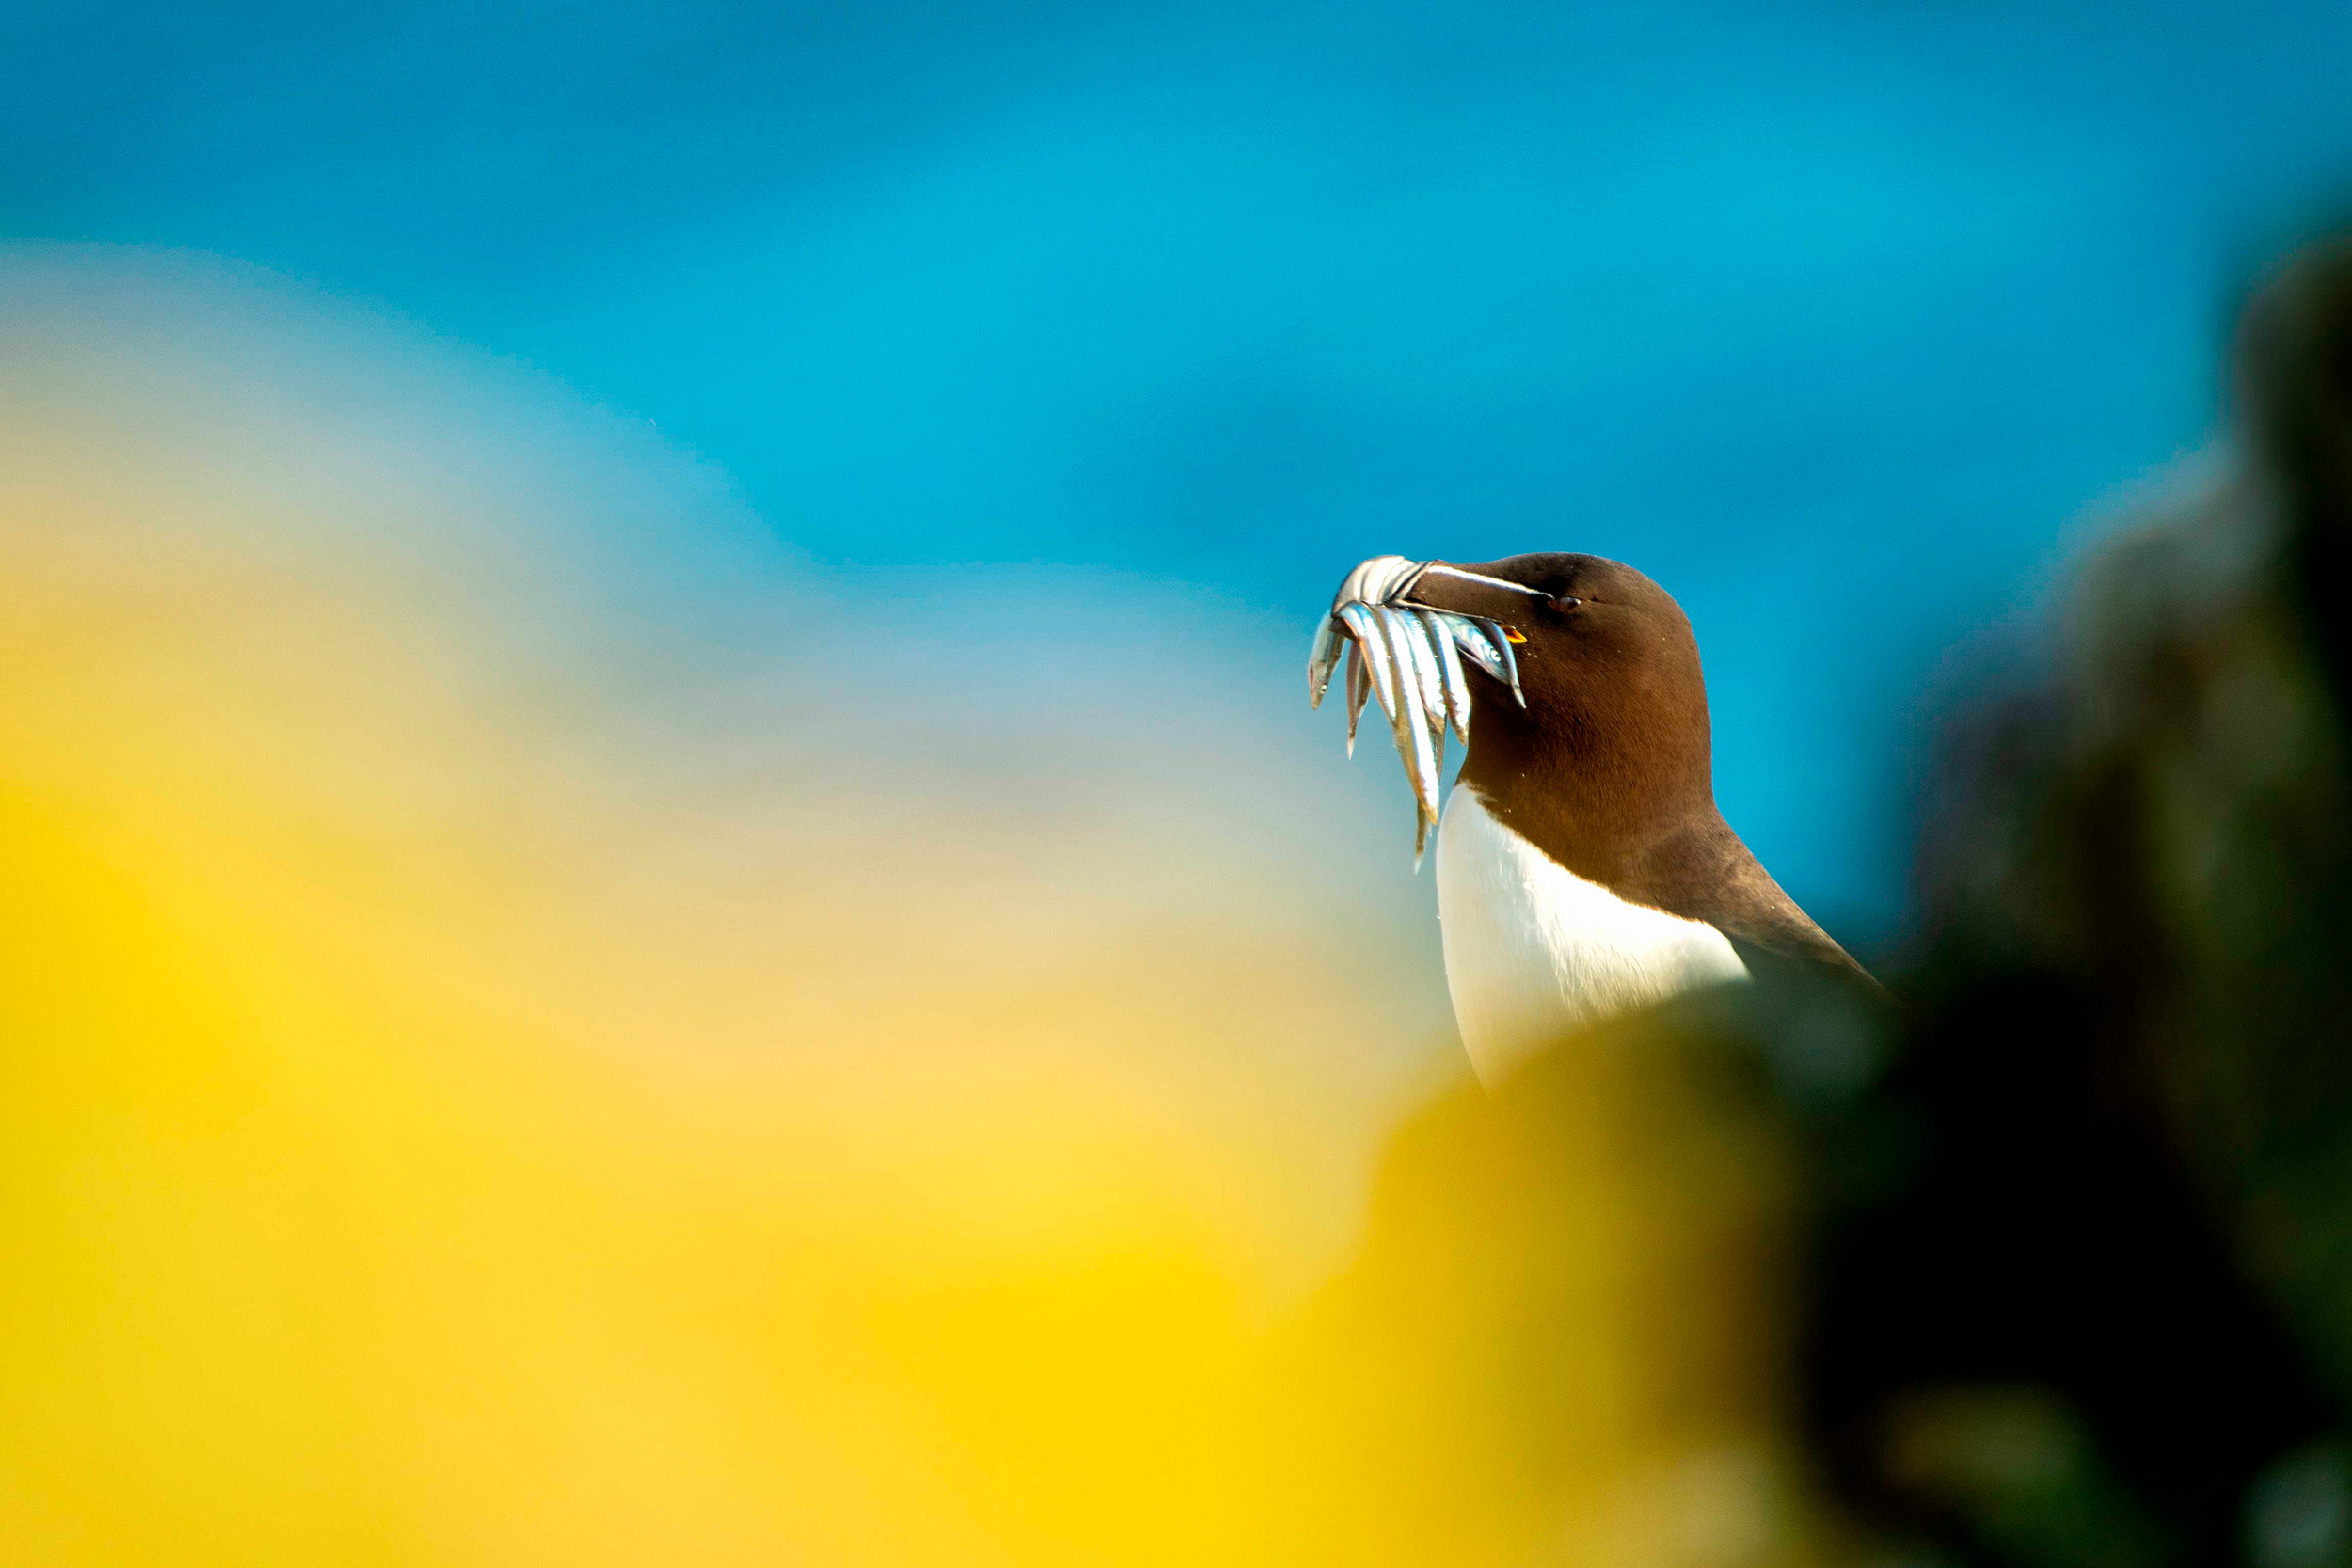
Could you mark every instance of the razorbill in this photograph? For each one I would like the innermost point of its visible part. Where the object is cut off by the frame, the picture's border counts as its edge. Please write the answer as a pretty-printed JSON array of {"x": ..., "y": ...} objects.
[{"x": 1584, "y": 869}]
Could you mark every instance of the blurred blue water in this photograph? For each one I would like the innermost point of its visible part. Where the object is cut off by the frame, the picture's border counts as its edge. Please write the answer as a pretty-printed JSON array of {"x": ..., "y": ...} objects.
[{"x": 1833, "y": 317}]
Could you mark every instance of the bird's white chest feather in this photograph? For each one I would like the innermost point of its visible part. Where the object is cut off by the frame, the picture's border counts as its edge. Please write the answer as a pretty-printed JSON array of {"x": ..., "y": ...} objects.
[{"x": 1534, "y": 951}]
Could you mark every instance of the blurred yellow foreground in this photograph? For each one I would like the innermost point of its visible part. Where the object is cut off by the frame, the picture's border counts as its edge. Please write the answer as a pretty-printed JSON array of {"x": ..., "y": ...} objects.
[{"x": 538, "y": 1032}]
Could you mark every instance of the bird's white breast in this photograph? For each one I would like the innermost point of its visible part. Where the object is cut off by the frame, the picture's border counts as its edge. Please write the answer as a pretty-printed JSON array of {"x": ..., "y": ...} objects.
[{"x": 1534, "y": 951}]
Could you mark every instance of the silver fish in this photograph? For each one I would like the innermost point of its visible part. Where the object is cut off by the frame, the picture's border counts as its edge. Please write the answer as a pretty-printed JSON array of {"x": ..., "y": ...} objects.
[
  {"x": 1321, "y": 657},
  {"x": 1501, "y": 639},
  {"x": 1457, "y": 692},
  {"x": 1427, "y": 676},
  {"x": 1408, "y": 656},
  {"x": 1379, "y": 581},
  {"x": 1357, "y": 618},
  {"x": 1488, "y": 647},
  {"x": 1392, "y": 683},
  {"x": 1471, "y": 637},
  {"x": 1410, "y": 720},
  {"x": 1358, "y": 690}
]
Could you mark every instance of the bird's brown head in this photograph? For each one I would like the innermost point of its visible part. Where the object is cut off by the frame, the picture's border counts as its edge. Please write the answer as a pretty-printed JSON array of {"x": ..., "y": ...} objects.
[
  {"x": 1614, "y": 729},
  {"x": 1577, "y": 678}
]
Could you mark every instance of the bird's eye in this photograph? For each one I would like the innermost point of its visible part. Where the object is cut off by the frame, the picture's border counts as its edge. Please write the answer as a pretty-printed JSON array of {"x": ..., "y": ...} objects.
[{"x": 1564, "y": 601}]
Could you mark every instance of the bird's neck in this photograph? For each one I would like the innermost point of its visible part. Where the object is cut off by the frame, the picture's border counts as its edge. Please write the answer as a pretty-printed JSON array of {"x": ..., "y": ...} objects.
[{"x": 1599, "y": 801}]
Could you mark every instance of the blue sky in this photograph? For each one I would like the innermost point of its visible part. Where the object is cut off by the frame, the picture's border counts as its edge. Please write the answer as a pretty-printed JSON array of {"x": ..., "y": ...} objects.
[{"x": 1838, "y": 319}]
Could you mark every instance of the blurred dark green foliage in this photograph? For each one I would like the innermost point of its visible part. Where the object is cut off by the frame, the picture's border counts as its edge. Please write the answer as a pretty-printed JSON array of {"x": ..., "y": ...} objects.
[{"x": 2081, "y": 1256}]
